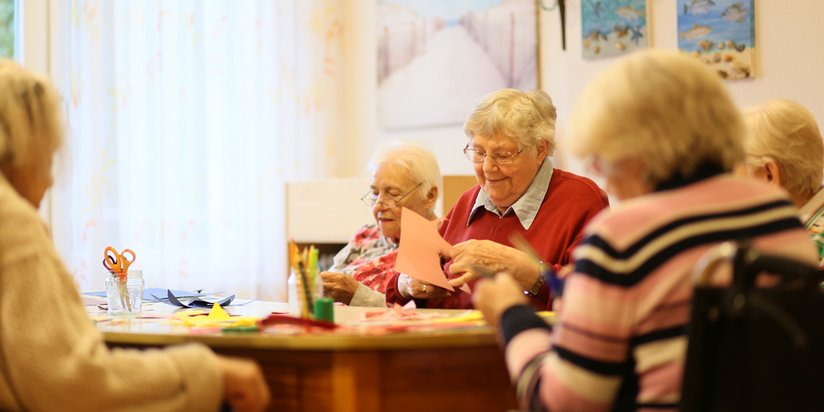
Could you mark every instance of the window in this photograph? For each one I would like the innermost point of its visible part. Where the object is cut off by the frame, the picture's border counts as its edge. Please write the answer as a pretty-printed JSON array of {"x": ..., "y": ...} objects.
[
  {"x": 8, "y": 28},
  {"x": 186, "y": 118}
]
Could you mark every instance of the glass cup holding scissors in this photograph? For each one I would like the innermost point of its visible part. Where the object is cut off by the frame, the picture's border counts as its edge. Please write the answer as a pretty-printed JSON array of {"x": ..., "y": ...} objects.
[{"x": 124, "y": 292}]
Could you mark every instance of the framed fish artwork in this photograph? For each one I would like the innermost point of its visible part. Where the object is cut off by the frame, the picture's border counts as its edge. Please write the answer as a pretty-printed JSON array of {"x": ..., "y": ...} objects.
[
  {"x": 613, "y": 27},
  {"x": 721, "y": 33}
]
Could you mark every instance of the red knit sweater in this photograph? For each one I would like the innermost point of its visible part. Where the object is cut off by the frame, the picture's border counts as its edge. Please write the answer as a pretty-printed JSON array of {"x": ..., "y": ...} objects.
[{"x": 570, "y": 202}]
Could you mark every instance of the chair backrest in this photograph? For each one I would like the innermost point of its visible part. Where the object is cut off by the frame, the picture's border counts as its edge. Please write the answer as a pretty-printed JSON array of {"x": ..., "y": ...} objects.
[{"x": 755, "y": 348}]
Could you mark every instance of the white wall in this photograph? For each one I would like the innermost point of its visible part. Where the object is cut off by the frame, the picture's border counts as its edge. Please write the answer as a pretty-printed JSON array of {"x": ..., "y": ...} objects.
[{"x": 790, "y": 65}]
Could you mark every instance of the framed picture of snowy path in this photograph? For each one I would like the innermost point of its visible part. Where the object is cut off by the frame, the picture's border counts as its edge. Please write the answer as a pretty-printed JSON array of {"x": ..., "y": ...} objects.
[
  {"x": 437, "y": 58},
  {"x": 721, "y": 33}
]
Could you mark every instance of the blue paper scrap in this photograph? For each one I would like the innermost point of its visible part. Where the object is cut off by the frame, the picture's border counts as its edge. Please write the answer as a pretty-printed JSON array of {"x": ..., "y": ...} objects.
[
  {"x": 196, "y": 302},
  {"x": 152, "y": 294}
]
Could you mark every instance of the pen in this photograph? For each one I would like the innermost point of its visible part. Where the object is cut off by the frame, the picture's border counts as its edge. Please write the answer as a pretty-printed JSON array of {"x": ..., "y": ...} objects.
[
  {"x": 556, "y": 283},
  {"x": 520, "y": 243}
]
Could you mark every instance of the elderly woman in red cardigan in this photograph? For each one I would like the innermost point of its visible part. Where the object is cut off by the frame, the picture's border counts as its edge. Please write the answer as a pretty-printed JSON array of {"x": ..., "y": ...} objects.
[{"x": 519, "y": 193}]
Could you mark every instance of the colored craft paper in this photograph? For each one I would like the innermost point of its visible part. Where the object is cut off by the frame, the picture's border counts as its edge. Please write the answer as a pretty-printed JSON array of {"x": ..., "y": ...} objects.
[
  {"x": 216, "y": 318},
  {"x": 196, "y": 303},
  {"x": 218, "y": 313},
  {"x": 420, "y": 250},
  {"x": 154, "y": 294},
  {"x": 470, "y": 316}
]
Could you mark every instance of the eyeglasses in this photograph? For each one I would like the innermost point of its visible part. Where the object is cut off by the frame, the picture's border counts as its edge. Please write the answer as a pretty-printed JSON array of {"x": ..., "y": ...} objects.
[
  {"x": 499, "y": 158},
  {"x": 371, "y": 198}
]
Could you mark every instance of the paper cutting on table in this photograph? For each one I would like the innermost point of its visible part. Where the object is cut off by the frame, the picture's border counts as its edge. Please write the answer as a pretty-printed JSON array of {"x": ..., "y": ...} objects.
[
  {"x": 159, "y": 294},
  {"x": 196, "y": 302},
  {"x": 217, "y": 318},
  {"x": 218, "y": 313},
  {"x": 154, "y": 294}
]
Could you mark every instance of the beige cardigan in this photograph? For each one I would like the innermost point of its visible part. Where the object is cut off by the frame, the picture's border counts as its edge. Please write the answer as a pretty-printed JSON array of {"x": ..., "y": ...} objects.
[{"x": 51, "y": 355}]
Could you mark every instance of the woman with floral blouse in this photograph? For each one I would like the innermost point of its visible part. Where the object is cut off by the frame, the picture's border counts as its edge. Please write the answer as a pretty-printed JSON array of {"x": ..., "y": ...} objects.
[{"x": 403, "y": 175}]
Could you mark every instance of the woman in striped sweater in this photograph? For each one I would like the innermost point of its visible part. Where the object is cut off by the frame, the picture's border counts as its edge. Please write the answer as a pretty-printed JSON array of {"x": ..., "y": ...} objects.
[{"x": 662, "y": 131}]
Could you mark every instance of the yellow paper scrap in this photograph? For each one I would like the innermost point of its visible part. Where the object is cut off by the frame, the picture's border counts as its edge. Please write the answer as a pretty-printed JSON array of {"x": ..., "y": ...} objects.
[
  {"x": 547, "y": 316},
  {"x": 218, "y": 318},
  {"x": 470, "y": 316},
  {"x": 218, "y": 313}
]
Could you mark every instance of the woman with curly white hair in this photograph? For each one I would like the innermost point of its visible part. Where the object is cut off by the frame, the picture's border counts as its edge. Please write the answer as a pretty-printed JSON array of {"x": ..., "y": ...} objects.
[
  {"x": 783, "y": 147},
  {"x": 519, "y": 194}
]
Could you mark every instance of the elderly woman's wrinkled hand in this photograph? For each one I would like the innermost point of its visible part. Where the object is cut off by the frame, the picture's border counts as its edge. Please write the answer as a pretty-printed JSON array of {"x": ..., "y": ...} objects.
[
  {"x": 494, "y": 296},
  {"x": 413, "y": 288},
  {"x": 483, "y": 258},
  {"x": 244, "y": 387},
  {"x": 339, "y": 286}
]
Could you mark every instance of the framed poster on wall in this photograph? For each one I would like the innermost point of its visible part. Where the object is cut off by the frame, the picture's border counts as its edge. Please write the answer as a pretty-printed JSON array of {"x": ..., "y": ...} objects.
[
  {"x": 617, "y": 28},
  {"x": 720, "y": 33},
  {"x": 436, "y": 58}
]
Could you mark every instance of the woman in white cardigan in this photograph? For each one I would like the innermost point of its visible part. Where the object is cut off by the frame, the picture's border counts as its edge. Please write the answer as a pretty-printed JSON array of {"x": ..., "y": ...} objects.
[{"x": 51, "y": 355}]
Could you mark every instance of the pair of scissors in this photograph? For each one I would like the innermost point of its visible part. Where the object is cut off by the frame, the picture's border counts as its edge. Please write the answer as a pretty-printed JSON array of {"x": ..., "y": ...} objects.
[{"x": 118, "y": 264}]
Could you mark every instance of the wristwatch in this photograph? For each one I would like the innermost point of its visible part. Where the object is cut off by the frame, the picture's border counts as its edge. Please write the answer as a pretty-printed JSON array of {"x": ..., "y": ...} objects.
[{"x": 539, "y": 283}]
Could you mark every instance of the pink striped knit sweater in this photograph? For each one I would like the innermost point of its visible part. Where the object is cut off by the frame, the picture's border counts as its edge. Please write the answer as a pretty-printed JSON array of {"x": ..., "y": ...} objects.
[{"x": 620, "y": 338}]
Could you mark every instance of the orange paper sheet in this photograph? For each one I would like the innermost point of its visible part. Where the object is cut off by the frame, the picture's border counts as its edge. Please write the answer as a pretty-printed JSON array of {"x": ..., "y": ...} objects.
[{"x": 419, "y": 252}]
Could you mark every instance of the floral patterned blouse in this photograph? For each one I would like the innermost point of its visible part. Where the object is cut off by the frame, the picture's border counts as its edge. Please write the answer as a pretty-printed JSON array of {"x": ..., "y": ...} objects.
[
  {"x": 370, "y": 259},
  {"x": 812, "y": 215}
]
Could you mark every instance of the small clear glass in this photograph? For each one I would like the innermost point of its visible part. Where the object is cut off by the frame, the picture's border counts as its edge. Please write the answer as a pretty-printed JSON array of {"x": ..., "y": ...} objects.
[
  {"x": 292, "y": 294},
  {"x": 125, "y": 297}
]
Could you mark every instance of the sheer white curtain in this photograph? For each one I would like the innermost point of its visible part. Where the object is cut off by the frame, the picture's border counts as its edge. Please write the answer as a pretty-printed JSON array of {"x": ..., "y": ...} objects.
[{"x": 185, "y": 118}]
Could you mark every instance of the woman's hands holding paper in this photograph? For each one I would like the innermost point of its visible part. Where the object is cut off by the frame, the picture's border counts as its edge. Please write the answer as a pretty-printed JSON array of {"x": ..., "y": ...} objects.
[{"x": 413, "y": 288}]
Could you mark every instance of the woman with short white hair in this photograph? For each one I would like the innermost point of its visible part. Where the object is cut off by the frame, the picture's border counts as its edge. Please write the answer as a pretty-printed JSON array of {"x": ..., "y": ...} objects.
[
  {"x": 520, "y": 195},
  {"x": 665, "y": 135},
  {"x": 403, "y": 175},
  {"x": 784, "y": 148}
]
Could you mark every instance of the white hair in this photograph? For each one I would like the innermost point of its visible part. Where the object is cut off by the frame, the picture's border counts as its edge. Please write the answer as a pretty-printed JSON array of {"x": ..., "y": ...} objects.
[
  {"x": 525, "y": 116},
  {"x": 663, "y": 107},
  {"x": 29, "y": 114},
  {"x": 786, "y": 132},
  {"x": 418, "y": 162}
]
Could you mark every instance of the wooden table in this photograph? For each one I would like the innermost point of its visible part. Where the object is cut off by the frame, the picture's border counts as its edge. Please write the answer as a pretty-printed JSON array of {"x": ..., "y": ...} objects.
[{"x": 454, "y": 369}]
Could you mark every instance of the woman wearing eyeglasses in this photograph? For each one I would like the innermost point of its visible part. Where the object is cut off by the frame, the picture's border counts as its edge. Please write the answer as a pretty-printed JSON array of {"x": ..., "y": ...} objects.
[
  {"x": 403, "y": 175},
  {"x": 519, "y": 194}
]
